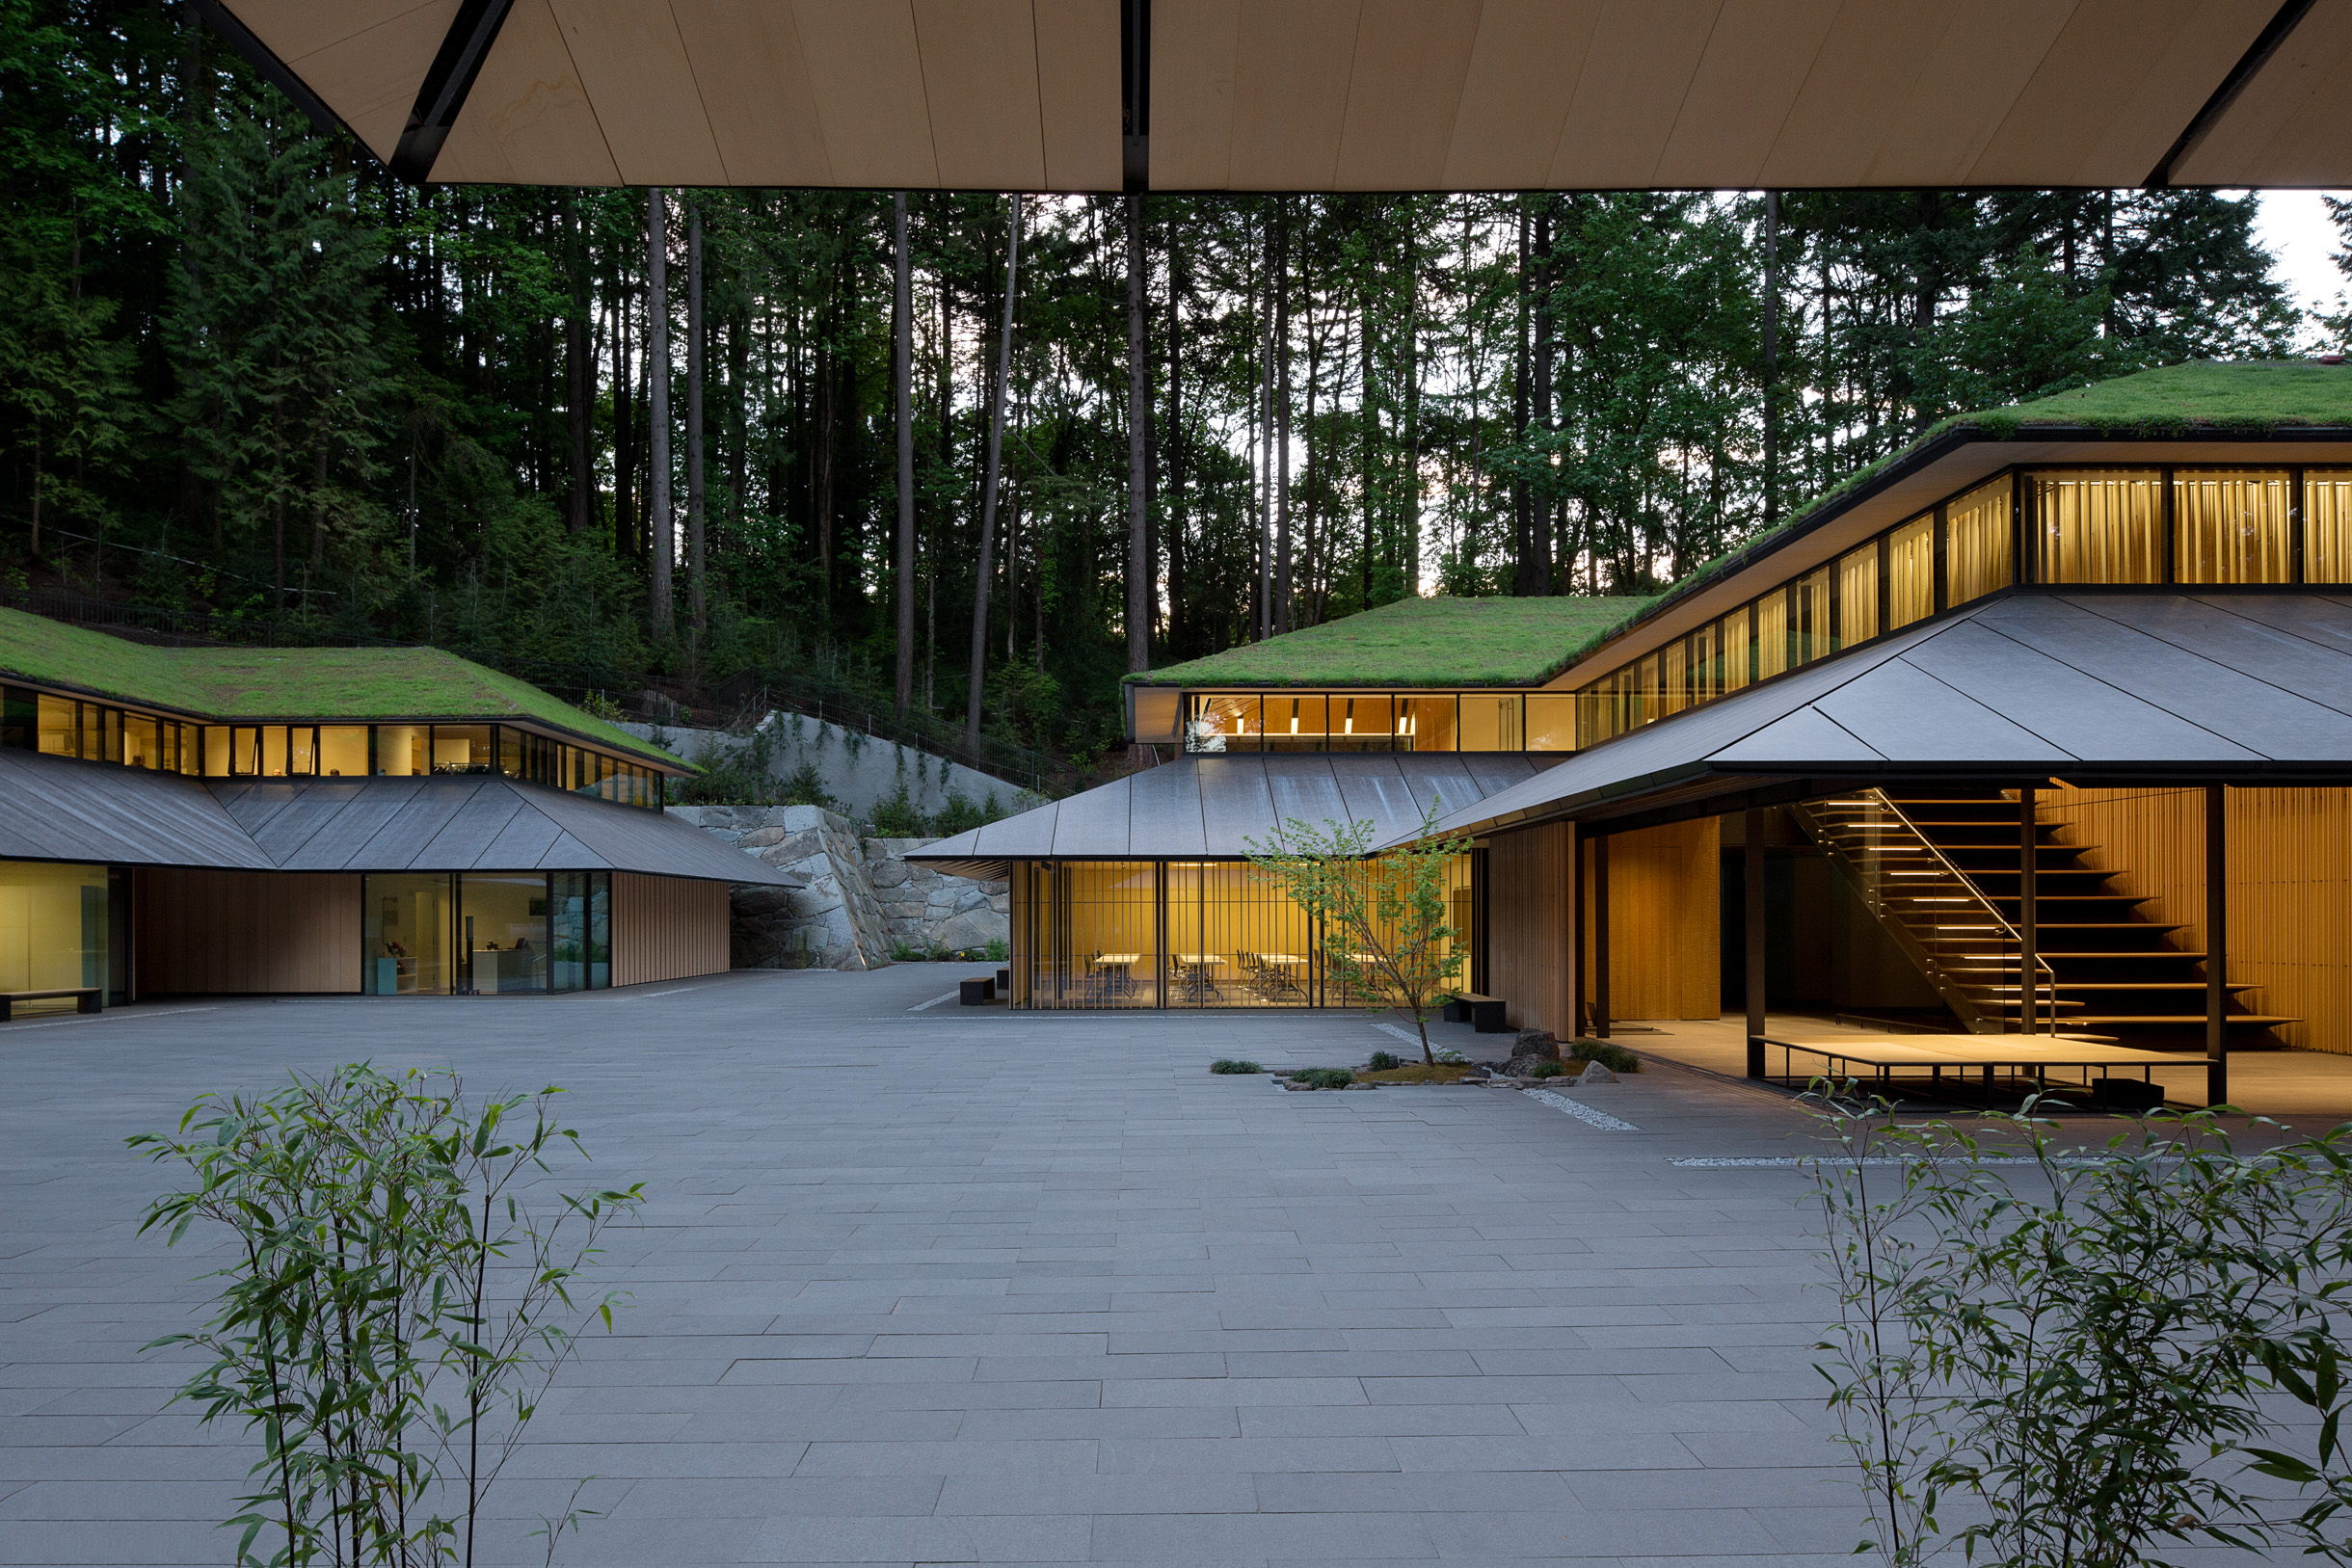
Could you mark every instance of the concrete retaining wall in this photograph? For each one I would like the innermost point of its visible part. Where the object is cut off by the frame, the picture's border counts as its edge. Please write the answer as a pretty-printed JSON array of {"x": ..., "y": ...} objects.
[{"x": 856, "y": 769}]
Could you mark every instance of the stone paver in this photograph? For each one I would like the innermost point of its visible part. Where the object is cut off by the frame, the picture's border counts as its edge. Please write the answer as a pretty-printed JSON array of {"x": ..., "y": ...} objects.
[{"x": 951, "y": 1286}]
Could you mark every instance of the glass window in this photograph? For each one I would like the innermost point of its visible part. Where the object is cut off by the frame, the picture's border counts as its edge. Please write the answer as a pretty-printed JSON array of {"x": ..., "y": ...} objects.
[
  {"x": 1293, "y": 723},
  {"x": 1361, "y": 723},
  {"x": 510, "y": 750},
  {"x": 462, "y": 748},
  {"x": 1097, "y": 937},
  {"x": 1978, "y": 539},
  {"x": 1811, "y": 608},
  {"x": 1233, "y": 940},
  {"x": 53, "y": 928},
  {"x": 1911, "y": 573},
  {"x": 1490, "y": 721},
  {"x": 2327, "y": 525},
  {"x": 405, "y": 927},
  {"x": 2100, "y": 526},
  {"x": 142, "y": 742},
  {"x": 1706, "y": 662},
  {"x": 1739, "y": 648},
  {"x": 1427, "y": 723},
  {"x": 502, "y": 936},
  {"x": 2229, "y": 528},
  {"x": 108, "y": 722},
  {"x": 600, "y": 930},
  {"x": 342, "y": 751},
  {"x": 1673, "y": 678},
  {"x": 273, "y": 750},
  {"x": 1858, "y": 595},
  {"x": 400, "y": 749},
  {"x": 301, "y": 750},
  {"x": 216, "y": 751},
  {"x": 1771, "y": 634},
  {"x": 1551, "y": 722},
  {"x": 19, "y": 719}
]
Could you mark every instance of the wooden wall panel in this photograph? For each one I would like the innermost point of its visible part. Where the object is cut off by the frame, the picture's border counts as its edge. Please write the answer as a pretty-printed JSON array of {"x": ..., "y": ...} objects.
[
  {"x": 1664, "y": 922},
  {"x": 1528, "y": 940},
  {"x": 667, "y": 929},
  {"x": 2290, "y": 888},
  {"x": 279, "y": 932}
]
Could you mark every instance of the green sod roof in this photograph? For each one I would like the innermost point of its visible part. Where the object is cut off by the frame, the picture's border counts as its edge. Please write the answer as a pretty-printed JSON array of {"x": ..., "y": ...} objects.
[
  {"x": 253, "y": 684},
  {"x": 1417, "y": 642}
]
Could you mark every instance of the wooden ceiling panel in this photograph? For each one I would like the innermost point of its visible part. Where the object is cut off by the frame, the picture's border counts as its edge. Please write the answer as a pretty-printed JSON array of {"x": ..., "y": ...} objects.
[
  {"x": 1864, "y": 70},
  {"x": 297, "y": 29},
  {"x": 1635, "y": 79},
  {"x": 1523, "y": 70},
  {"x": 1078, "y": 94},
  {"x": 865, "y": 73},
  {"x": 979, "y": 77},
  {"x": 1289, "y": 93},
  {"x": 528, "y": 120},
  {"x": 1756, "y": 62},
  {"x": 1194, "y": 47},
  {"x": 2290, "y": 116},
  {"x": 1989, "y": 52},
  {"x": 747, "y": 58},
  {"x": 1411, "y": 60},
  {"x": 370, "y": 77},
  {"x": 2115, "y": 89},
  {"x": 2174, "y": 88},
  {"x": 634, "y": 65}
]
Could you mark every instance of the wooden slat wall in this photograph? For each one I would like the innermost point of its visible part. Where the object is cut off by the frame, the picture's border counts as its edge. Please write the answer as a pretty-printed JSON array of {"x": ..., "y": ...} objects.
[
  {"x": 1527, "y": 930},
  {"x": 2290, "y": 888},
  {"x": 666, "y": 928},
  {"x": 247, "y": 931},
  {"x": 1665, "y": 920}
]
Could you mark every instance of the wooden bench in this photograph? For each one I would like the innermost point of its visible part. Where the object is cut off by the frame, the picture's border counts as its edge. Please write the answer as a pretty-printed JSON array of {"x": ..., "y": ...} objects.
[
  {"x": 1485, "y": 1014},
  {"x": 86, "y": 998}
]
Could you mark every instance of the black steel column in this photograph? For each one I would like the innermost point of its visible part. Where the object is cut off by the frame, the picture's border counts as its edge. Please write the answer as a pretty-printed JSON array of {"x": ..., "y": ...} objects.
[
  {"x": 2029, "y": 915},
  {"x": 2218, "y": 943},
  {"x": 1751, "y": 928},
  {"x": 1579, "y": 972},
  {"x": 1600, "y": 937}
]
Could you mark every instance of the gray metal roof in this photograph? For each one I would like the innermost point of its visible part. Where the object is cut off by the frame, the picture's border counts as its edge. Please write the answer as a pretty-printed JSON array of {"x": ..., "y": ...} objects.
[
  {"x": 55, "y": 809},
  {"x": 1213, "y": 806},
  {"x": 2252, "y": 688}
]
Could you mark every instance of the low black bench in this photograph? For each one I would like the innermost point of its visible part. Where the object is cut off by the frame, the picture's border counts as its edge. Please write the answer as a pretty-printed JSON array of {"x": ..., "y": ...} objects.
[
  {"x": 975, "y": 992},
  {"x": 1485, "y": 1014},
  {"x": 86, "y": 998}
]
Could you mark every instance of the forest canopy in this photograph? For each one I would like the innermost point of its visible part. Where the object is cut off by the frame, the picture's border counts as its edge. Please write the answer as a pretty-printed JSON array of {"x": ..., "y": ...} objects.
[{"x": 246, "y": 374}]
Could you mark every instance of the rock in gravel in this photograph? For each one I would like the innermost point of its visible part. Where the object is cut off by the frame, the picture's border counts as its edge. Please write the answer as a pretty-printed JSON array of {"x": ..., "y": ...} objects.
[{"x": 1596, "y": 1073}]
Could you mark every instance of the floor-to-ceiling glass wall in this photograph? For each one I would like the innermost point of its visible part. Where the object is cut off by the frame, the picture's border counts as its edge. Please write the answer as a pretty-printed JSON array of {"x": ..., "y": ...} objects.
[
  {"x": 1195, "y": 934},
  {"x": 405, "y": 920},
  {"x": 53, "y": 928},
  {"x": 581, "y": 930},
  {"x": 479, "y": 934},
  {"x": 502, "y": 942}
]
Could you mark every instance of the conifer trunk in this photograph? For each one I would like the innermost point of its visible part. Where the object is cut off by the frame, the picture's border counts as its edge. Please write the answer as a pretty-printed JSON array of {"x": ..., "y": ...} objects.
[{"x": 661, "y": 527}]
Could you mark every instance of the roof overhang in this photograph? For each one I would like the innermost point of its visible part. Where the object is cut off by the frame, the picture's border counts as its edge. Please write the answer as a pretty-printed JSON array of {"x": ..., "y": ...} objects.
[
  {"x": 1322, "y": 95},
  {"x": 2247, "y": 686},
  {"x": 1938, "y": 469}
]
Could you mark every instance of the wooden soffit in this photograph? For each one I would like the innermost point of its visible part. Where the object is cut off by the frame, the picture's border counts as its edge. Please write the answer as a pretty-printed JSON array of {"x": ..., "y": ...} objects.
[{"x": 1327, "y": 95}]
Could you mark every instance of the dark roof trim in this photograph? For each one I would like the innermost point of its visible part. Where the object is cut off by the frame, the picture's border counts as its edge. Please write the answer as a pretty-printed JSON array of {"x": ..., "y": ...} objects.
[
  {"x": 2257, "y": 55},
  {"x": 442, "y": 97},
  {"x": 1921, "y": 457},
  {"x": 275, "y": 72}
]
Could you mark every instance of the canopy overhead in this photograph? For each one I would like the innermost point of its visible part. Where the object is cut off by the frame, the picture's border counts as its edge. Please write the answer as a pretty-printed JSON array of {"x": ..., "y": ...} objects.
[{"x": 1324, "y": 95}]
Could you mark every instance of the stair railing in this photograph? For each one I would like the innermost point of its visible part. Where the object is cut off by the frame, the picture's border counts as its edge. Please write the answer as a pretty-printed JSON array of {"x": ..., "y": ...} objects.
[{"x": 1858, "y": 845}]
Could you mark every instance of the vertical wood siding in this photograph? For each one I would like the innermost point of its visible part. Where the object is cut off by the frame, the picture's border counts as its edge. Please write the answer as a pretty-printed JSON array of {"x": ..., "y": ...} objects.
[
  {"x": 1665, "y": 920},
  {"x": 2290, "y": 888},
  {"x": 667, "y": 929},
  {"x": 1528, "y": 940},
  {"x": 247, "y": 931}
]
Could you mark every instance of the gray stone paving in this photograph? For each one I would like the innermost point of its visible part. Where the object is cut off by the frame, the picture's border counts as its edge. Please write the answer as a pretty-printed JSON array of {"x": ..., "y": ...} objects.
[{"x": 934, "y": 1287}]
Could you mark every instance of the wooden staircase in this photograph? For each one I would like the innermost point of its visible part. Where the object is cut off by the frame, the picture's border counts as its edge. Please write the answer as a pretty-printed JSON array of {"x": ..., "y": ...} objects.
[{"x": 2108, "y": 967}]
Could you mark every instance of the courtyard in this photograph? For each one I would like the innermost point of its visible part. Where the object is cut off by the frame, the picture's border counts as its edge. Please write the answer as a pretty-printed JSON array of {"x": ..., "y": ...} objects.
[{"x": 921, "y": 1284}]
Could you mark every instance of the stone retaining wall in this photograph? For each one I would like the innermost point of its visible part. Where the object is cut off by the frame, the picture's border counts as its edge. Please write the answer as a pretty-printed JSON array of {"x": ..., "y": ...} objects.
[{"x": 863, "y": 901}]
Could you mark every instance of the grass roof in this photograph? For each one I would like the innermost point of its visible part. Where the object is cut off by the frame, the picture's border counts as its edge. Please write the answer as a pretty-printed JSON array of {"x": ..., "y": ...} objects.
[
  {"x": 2171, "y": 401},
  {"x": 1418, "y": 642},
  {"x": 261, "y": 683}
]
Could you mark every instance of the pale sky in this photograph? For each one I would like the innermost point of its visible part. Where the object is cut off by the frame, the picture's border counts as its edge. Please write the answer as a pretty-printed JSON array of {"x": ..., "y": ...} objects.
[{"x": 2295, "y": 227}]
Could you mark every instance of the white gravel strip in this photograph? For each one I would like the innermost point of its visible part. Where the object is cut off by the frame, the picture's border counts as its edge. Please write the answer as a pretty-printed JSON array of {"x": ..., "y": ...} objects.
[{"x": 1584, "y": 1113}]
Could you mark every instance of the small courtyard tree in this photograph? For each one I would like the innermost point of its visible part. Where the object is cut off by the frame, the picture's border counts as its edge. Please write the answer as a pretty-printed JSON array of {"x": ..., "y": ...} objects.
[{"x": 1381, "y": 918}]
